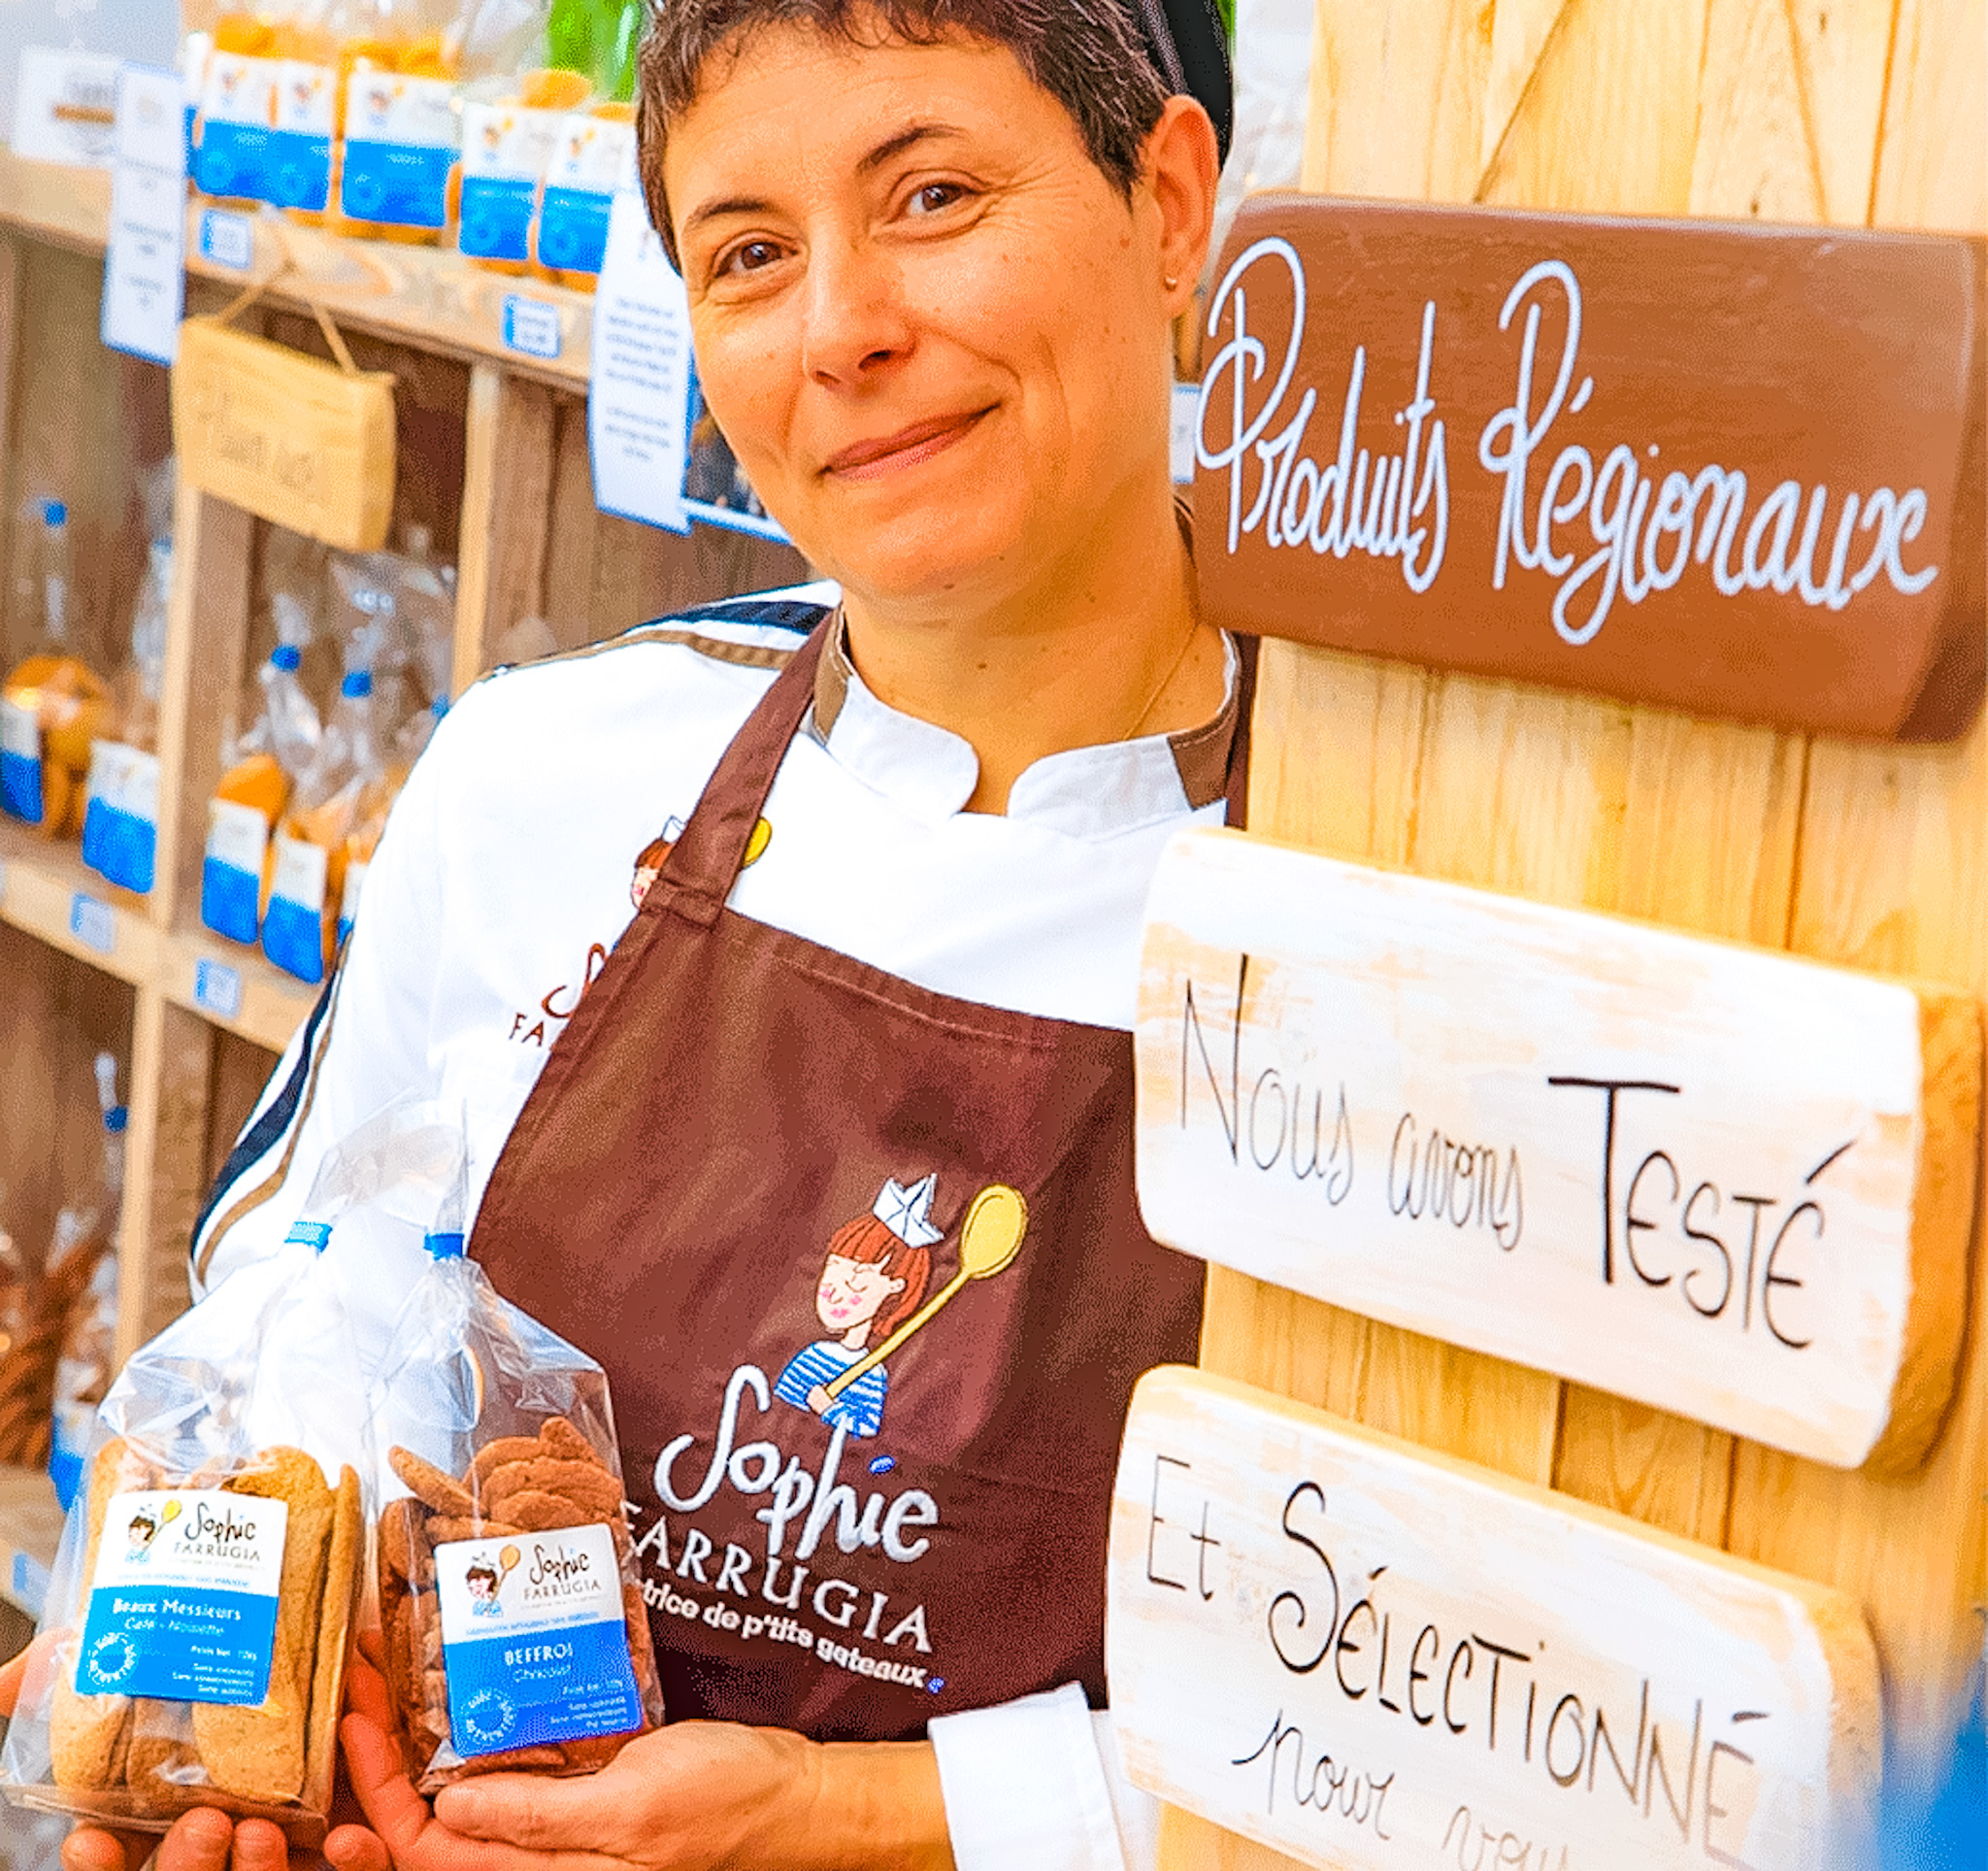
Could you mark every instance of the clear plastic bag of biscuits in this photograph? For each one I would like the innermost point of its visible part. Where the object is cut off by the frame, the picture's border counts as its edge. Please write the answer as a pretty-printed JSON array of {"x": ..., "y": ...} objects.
[
  {"x": 510, "y": 1600},
  {"x": 192, "y": 1647}
]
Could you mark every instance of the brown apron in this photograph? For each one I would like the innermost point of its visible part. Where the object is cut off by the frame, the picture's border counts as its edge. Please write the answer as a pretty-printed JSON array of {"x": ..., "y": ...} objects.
[{"x": 747, "y": 1163}]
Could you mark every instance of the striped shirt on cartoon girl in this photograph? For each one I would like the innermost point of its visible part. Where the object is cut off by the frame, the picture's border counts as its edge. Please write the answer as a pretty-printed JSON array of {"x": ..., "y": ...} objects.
[{"x": 872, "y": 1280}]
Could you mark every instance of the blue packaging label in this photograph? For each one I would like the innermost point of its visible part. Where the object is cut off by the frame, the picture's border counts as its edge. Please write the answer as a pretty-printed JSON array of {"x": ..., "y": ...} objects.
[
  {"x": 496, "y": 218},
  {"x": 183, "y": 1603},
  {"x": 293, "y": 929},
  {"x": 21, "y": 762},
  {"x": 232, "y": 159},
  {"x": 229, "y": 900},
  {"x": 298, "y": 173},
  {"x": 573, "y": 229},
  {"x": 397, "y": 185},
  {"x": 533, "y": 1640},
  {"x": 120, "y": 824}
]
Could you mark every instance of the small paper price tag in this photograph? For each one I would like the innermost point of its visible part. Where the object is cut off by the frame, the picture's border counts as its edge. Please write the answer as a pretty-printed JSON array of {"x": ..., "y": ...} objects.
[
  {"x": 93, "y": 923},
  {"x": 531, "y": 327},
  {"x": 226, "y": 239},
  {"x": 217, "y": 987}
]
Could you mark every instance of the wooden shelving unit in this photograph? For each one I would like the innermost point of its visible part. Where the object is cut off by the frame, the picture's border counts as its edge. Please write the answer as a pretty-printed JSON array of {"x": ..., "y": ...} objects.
[{"x": 492, "y": 460}]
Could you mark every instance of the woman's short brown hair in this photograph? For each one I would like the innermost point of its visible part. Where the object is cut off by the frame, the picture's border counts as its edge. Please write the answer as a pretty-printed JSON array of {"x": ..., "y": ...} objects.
[{"x": 1087, "y": 54}]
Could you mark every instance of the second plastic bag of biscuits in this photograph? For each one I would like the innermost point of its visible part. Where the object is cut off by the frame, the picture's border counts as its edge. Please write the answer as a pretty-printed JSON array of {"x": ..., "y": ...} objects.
[
  {"x": 509, "y": 1601},
  {"x": 192, "y": 1647}
]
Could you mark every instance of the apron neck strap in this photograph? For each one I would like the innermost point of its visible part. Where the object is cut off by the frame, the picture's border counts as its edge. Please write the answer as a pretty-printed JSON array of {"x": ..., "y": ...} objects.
[{"x": 705, "y": 861}]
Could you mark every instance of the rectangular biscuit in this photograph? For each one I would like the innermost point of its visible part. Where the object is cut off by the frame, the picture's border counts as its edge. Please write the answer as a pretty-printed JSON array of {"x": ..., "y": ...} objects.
[
  {"x": 87, "y": 1733},
  {"x": 334, "y": 1624}
]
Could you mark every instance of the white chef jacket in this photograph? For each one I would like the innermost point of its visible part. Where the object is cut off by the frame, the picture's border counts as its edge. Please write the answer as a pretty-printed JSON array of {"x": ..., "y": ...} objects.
[{"x": 507, "y": 871}]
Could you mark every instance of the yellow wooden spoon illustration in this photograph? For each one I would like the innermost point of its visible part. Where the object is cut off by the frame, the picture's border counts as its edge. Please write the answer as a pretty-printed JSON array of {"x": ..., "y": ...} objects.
[{"x": 989, "y": 1238}]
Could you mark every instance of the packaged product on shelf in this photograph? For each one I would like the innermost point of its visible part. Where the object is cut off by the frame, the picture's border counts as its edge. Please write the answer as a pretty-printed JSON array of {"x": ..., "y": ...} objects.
[
  {"x": 264, "y": 131},
  {"x": 592, "y": 155},
  {"x": 122, "y": 808},
  {"x": 507, "y": 145},
  {"x": 84, "y": 1239},
  {"x": 87, "y": 1357},
  {"x": 52, "y": 704},
  {"x": 328, "y": 803},
  {"x": 193, "y": 1639},
  {"x": 499, "y": 1476},
  {"x": 260, "y": 768},
  {"x": 398, "y": 128}
]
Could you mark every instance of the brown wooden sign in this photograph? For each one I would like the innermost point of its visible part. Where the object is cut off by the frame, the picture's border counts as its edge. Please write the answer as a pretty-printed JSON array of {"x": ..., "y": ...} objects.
[{"x": 1734, "y": 470}]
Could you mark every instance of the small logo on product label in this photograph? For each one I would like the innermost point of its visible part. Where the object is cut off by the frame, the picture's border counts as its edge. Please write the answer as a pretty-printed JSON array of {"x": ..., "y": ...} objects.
[
  {"x": 112, "y": 1660},
  {"x": 488, "y": 1716}
]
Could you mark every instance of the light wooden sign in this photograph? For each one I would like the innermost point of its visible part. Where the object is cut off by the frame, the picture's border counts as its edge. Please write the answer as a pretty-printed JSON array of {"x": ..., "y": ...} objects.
[
  {"x": 1736, "y": 470},
  {"x": 1721, "y": 1180},
  {"x": 294, "y": 440},
  {"x": 1376, "y": 1659}
]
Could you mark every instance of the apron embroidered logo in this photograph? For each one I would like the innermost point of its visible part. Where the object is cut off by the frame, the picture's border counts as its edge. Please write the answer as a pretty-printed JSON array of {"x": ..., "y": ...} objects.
[{"x": 650, "y": 865}]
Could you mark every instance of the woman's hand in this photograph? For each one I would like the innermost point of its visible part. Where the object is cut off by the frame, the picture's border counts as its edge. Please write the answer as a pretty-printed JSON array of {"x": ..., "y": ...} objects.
[
  {"x": 203, "y": 1840},
  {"x": 691, "y": 1797}
]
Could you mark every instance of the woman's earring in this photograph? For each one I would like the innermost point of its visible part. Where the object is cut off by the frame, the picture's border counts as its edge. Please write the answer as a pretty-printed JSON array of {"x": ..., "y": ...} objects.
[{"x": 1172, "y": 279}]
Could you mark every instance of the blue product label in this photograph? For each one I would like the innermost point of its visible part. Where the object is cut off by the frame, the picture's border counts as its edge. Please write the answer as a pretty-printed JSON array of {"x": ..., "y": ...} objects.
[
  {"x": 534, "y": 1642},
  {"x": 496, "y": 218},
  {"x": 229, "y": 899},
  {"x": 298, "y": 171},
  {"x": 183, "y": 1600},
  {"x": 234, "y": 160},
  {"x": 293, "y": 938},
  {"x": 121, "y": 845},
  {"x": 396, "y": 183},
  {"x": 20, "y": 785},
  {"x": 573, "y": 229}
]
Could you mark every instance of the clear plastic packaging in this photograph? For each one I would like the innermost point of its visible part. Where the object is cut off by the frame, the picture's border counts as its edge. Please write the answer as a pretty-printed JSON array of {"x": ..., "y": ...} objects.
[
  {"x": 196, "y": 1621},
  {"x": 501, "y": 1516},
  {"x": 87, "y": 1360},
  {"x": 54, "y": 705}
]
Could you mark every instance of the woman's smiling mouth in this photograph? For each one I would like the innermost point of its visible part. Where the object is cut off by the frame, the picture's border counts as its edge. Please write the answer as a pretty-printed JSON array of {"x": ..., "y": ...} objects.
[{"x": 885, "y": 455}]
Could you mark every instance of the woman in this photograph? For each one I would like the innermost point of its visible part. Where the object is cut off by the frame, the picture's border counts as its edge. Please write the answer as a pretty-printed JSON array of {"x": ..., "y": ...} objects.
[{"x": 932, "y": 252}]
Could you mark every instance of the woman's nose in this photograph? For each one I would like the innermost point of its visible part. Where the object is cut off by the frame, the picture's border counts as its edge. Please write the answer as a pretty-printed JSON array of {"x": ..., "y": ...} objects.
[{"x": 854, "y": 321}]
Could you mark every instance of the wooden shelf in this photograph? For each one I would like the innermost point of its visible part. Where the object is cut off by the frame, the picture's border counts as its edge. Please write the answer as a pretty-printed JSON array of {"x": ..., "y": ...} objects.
[
  {"x": 207, "y": 974},
  {"x": 425, "y": 296},
  {"x": 47, "y": 891},
  {"x": 30, "y": 1530}
]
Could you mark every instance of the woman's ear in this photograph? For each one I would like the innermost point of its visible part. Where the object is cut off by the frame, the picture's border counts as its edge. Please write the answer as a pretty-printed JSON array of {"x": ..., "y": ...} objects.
[{"x": 1182, "y": 168}]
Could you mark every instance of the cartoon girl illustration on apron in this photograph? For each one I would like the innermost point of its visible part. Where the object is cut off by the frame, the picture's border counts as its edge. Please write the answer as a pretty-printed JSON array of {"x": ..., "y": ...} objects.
[{"x": 872, "y": 1281}]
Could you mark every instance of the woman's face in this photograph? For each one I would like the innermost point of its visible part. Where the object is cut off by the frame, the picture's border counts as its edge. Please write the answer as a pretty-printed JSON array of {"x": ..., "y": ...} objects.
[
  {"x": 852, "y": 1292},
  {"x": 935, "y": 334}
]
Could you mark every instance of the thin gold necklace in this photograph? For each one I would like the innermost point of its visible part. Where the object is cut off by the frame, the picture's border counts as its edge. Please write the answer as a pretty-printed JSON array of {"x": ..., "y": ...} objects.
[{"x": 1173, "y": 670}]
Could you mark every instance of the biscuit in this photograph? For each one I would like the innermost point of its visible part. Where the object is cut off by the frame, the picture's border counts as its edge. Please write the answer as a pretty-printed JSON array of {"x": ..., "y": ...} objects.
[
  {"x": 440, "y": 1491},
  {"x": 494, "y": 1455},
  {"x": 87, "y": 1732},
  {"x": 537, "y": 1512},
  {"x": 257, "y": 1751},
  {"x": 565, "y": 1443},
  {"x": 397, "y": 1523},
  {"x": 442, "y": 1529},
  {"x": 327, "y": 1681},
  {"x": 587, "y": 1485},
  {"x": 163, "y": 1752}
]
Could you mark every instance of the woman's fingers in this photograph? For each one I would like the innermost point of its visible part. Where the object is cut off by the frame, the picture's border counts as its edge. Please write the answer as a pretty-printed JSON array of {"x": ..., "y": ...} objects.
[
  {"x": 353, "y": 1848},
  {"x": 259, "y": 1846},
  {"x": 202, "y": 1840},
  {"x": 396, "y": 1813},
  {"x": 10, "y": 1683}
]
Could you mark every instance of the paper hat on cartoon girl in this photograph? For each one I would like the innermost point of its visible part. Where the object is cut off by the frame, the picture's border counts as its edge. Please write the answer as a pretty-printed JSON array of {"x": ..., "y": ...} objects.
[{"x": 906, "y": 1212}]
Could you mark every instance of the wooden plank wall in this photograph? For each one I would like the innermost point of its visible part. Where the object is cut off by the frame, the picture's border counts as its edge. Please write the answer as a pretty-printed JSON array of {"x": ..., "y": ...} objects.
[{"x": 1816, "y": 110}]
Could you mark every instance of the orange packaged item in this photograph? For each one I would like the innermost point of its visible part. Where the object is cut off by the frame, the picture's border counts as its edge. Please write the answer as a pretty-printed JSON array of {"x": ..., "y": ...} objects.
[
  {"x": 507, "y": 145},
  {"x": 593, "y": 150}
]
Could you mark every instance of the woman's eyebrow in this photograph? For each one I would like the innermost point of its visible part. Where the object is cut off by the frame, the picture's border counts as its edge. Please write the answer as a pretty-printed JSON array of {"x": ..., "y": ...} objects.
[{"x": 894, "y": 147}]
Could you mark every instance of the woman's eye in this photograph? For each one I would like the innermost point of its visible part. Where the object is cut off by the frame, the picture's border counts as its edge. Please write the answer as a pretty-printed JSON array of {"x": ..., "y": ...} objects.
[
  {"x": 750, "y": 257},
  {"x": 935, "y": 196}
]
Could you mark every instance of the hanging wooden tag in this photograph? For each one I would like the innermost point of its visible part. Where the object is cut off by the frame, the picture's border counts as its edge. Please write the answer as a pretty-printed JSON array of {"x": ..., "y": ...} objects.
[
  {"x": 1734, "y": 470},
  {"x": 292, "y": 439},
  {"x": 1369, "y": 1656},
  {"x": 1733, "y": 1184}
]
